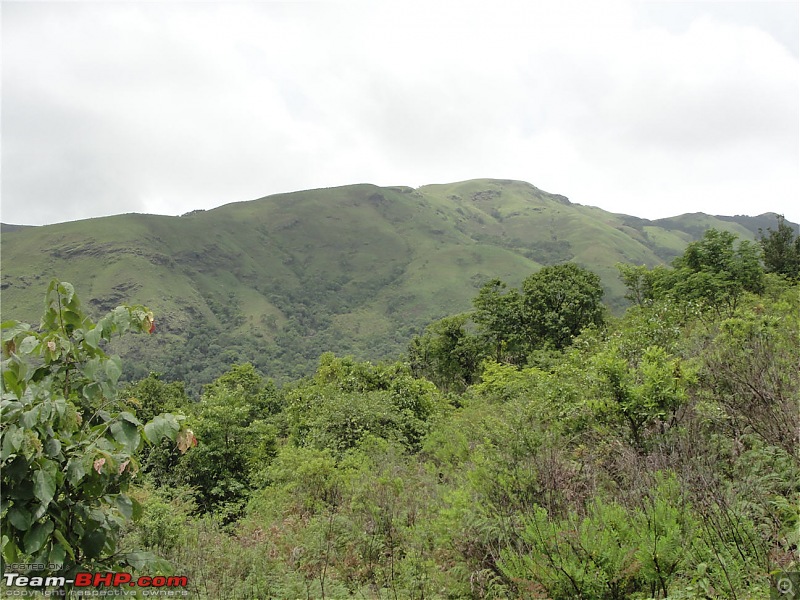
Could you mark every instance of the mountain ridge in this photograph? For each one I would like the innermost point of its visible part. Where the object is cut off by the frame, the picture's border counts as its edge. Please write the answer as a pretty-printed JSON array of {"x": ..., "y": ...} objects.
[{"x": 355, "y": 269}]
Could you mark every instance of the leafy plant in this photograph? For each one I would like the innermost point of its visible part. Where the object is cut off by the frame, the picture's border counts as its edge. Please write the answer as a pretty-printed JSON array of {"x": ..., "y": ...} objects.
[
  {"x": 69, "y": 448},
  {"x": 781, "y": 248}
]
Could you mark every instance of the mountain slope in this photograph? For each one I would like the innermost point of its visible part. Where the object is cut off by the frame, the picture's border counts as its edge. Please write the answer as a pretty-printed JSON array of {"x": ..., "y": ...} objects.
[{"x": 355, "y": 269}]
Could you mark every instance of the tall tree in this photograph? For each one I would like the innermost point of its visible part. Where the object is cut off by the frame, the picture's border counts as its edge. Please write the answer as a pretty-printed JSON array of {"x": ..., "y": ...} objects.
[
  {"x": 781, "y": 248},
  {"x": 558, "y": 302},
  {"x": 498, "y": 314},
  {"x": 717, "y": 271},
  {"x": 554, "y": 305},
  {"x": 447, "y": 354}
]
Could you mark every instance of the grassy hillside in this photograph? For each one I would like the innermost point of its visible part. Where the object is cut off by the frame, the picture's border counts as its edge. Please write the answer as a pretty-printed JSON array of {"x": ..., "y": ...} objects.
[{"x": 356, "y": 269}]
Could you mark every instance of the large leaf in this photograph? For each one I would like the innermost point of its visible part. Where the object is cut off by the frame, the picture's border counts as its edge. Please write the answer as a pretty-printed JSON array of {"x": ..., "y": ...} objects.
[
  {"x": 75, "y": 471},
  {"x": 147, "y": 562},
  {"x": 93, "y": 543},
  {"x": 20, "y": 518},
  {"x": 126, "y": 434},
  {"x": 160, "y": 427},
  {"x": 37, "y": 536},
  {"x": 44, "y": 486},
  {"x": 125, "y": 506},
  {"x": 10, "y": 550},
  {"x": 9, "y": 410},
  {"x": 27, "y": 345},
  {"x": 52, "y": 447},
  {"x": 12, "y": 440},
  {"x": 57, "y": 555},
  {"x": 113, "y": 369},
  {"x": 64, "y": 543}
]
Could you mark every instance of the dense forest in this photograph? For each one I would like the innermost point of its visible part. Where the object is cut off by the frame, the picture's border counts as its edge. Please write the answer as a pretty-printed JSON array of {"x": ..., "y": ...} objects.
[{"x": 534, "y": 447}]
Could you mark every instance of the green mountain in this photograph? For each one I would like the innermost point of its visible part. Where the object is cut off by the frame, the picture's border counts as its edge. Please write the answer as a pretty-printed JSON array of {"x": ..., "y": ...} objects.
[{"x": 356, "y": 269}]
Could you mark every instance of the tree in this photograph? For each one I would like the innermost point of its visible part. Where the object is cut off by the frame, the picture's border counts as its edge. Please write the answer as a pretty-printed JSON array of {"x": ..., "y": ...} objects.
[
  {"x": 447, "y": 354},
  {"x": 237, "y": 440},
  {"x": 646, "y": 396},
  {"x": 152, "y": 396},
  {"x": 644, "y": 285},
  {"x": 498, "y": 314},
  {"x": 70, "y": 444},
  {"x": 554, "y": 305},
  {"x": 558, "y": 302},
  {"x": 717, "y": 271},
  {"x": 347, "y": 401},
  {"x": 781, "y": 250}
]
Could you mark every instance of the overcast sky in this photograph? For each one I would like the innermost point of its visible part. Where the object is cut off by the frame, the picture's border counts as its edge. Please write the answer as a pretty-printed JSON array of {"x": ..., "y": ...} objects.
[{"x": 647, "y": 108}]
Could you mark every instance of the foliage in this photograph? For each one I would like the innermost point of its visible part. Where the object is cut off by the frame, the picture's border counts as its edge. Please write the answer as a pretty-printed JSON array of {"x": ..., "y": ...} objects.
[
  {"x": 610, "y": 553},
  {"x": 649, "y": 458},
  {"x": 558, "y": 302},
  {"x": 70, "y": 444},
  {"x": 447, "y": 354},
  {"x": 781, "y": 249},
  {"x": 554, "y": 305},
  {"x": 347, "y": 400},
  {"x": 237, "y": 434},
  {"x": 751, "y": 367},
  {"x": 165, "y": 513},
  {"x": 152, "y": 396},
  {"x": 644, "y": 285},
  {"x": 498, "y": 315},
  {"x": 717, "y": 271},
  {"x": 645, "y": 396}
]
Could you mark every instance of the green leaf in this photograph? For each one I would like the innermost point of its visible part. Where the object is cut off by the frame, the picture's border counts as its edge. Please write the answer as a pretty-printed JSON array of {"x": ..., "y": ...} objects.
[
  {"x": 93, "y": 392},
  {"x": 68, "y": 291},
  {"x": 120, "y": 319},
  {"x": 113, "y": 369},
  {"x": 130, "y": 418},
  {"x": 37, "y": 536},
  {"x": 18, "y": 472},
  {"x": 30, "y": 417},
  {"x": 10, "y": 550},
  {"x": 52, "y": 447},
  {"x": 44, "y": 486},
  {"x": 148, "y": 562},
  {"x": 136, "y": 509},
  {"x": 126, "y": 434},
  {"x": 92, "y": 338},
  {"x": 57, "y": 555},
  {"x": 72, "y": 318},
  {"x": 13, "y": 328},
  {"x": 156, "y": 429},
  {"x": 12, "y": 383},
  {"x": 93, "y": 543},
  {"x": 125, "y": 506},
  {"x": 20, "y": 518},
  {"x": 12, "y": 440},
  {"x": 75, "y": 471},
  {"x": 39, "y": 512},
  {"x": 9, "y": 410},
  {"x": 28, "y": 345},
  {"x": 64, "y": 543}
]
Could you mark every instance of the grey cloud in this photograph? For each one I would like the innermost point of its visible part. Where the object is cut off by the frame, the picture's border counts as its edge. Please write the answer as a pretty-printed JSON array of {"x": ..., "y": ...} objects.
[{"x": 167, "y": 107}]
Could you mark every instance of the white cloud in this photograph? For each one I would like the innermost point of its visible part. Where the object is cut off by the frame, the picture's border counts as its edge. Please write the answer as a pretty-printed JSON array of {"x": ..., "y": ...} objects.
[{"x": 168, "y": 107}]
